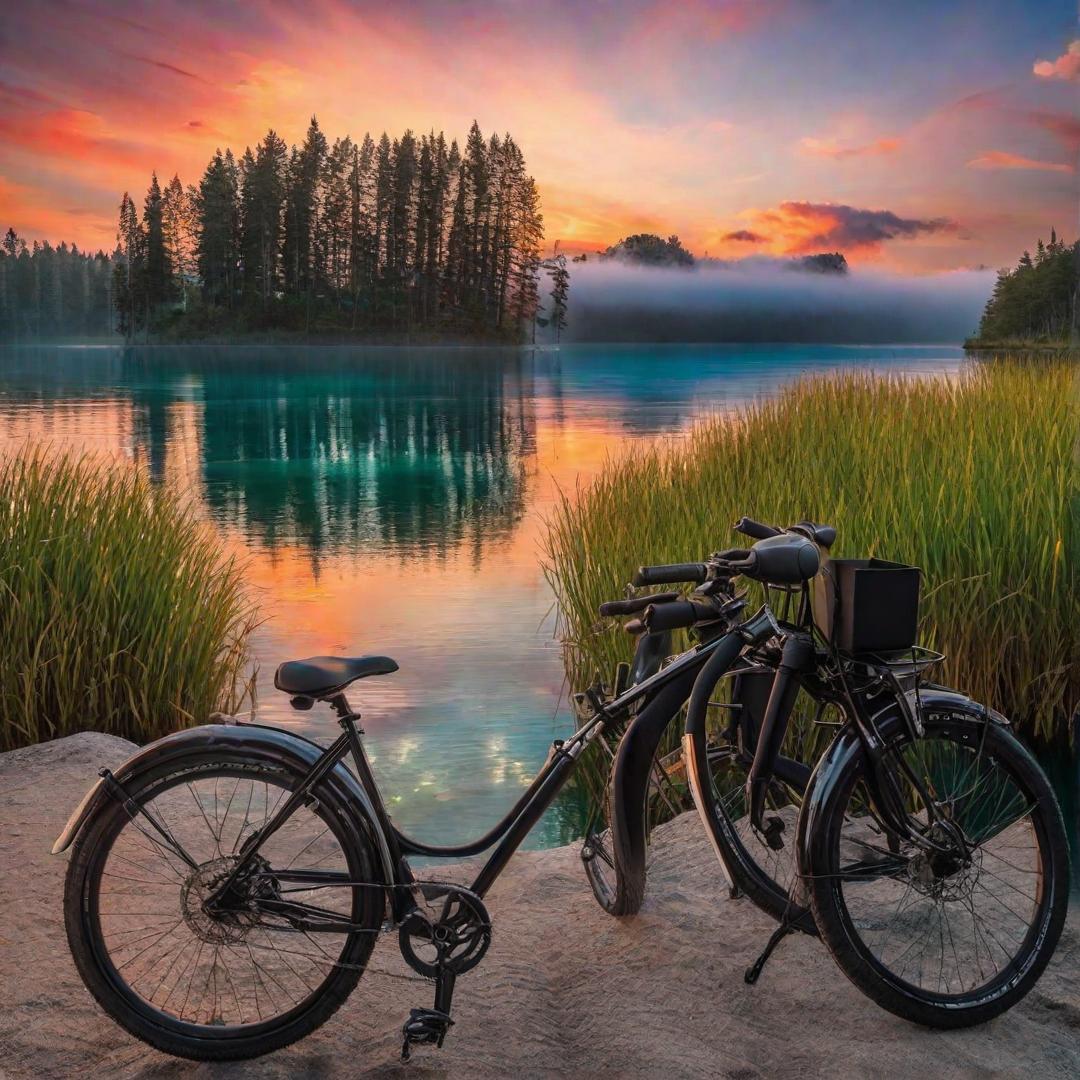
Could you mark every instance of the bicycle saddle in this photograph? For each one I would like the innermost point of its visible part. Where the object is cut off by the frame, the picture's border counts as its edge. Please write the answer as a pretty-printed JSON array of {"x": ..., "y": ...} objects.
[{"x": 318, "y": 676}]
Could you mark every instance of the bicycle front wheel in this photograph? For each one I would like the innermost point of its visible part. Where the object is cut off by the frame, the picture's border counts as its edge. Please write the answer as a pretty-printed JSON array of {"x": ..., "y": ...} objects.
[{"x": 954, "y": 930}]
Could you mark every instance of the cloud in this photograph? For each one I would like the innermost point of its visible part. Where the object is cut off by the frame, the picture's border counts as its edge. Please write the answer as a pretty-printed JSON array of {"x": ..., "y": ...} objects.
[
  {"x": 829, "y": 148},
  {"x": 1066, "y": 66},
  {"x": 1065, "y": 127},
  {"x": 745, "y": 236},
  {"x": 68, "y": 134},
  {"x": 164, "y": 66},
  {"x": 1002, "y": 159},
  {"x": 807, "y": 227}
]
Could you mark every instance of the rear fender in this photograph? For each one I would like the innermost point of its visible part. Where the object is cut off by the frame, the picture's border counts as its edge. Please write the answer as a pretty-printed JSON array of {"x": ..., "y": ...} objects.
[{"x": 252, "y": 741}]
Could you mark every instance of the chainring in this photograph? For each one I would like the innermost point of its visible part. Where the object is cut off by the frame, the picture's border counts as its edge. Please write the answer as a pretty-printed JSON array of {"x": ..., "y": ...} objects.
[{"x": 452, "y": 935}]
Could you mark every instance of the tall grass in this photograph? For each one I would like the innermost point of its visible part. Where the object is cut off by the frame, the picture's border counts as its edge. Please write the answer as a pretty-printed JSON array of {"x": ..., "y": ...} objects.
[
  {"x": 118, "y": 611},
  {"x": 972, "y": 478}
]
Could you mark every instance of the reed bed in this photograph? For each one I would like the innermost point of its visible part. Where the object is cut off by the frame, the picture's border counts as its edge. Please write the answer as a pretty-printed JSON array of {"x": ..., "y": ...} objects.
[
  {"x": 118, "y": 610},
  {"x": 971, "y": 478}
]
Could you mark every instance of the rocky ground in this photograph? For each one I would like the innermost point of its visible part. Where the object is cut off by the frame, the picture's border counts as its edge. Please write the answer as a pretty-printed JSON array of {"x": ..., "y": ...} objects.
[{"x": 564, "y": 989}]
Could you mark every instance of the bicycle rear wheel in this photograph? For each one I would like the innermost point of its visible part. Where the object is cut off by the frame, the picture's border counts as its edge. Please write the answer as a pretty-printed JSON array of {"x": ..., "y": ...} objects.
[
  {"x": 954, "y": 932},
  {"x": 227, "y": 984}
]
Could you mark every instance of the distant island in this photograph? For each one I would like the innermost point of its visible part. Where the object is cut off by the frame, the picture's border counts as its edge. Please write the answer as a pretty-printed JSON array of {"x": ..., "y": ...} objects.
[
  {"x": 648, "y": 249},
  {"x": 1037, "y": 303},
  {"x": 410, "y": 239}
]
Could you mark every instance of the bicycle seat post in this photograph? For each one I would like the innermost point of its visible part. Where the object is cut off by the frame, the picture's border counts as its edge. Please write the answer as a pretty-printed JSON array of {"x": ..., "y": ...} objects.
[{"x": 346, "y": 717}]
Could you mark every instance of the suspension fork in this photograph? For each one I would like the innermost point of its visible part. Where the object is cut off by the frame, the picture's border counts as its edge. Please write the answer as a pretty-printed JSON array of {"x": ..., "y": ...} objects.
[
  {"x": 796, "y": 659},
  {"x": 885, "y": 793}
]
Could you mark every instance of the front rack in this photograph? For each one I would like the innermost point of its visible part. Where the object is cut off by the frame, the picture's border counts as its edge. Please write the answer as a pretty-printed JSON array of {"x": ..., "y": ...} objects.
[{"x": 911, "y": 661}]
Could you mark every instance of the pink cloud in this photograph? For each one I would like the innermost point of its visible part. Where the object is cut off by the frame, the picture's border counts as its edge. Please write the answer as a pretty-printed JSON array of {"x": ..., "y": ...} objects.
[
  {"x": 1002, "y": 159},
  {"x": 1066, "y": 66},
  {"x": 829, "y": 148}
]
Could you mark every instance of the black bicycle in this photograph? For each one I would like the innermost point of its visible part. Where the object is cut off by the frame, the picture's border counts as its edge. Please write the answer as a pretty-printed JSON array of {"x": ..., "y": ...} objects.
[
  {"x": 227, "y": 882},
  {"x": 926, "y": 847}
]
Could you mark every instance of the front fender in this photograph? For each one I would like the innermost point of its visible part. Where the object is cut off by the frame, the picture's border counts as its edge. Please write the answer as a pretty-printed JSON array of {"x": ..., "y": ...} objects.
[
  {"x": 847, "y": 745},
  {"x": 252, "y": 740}
]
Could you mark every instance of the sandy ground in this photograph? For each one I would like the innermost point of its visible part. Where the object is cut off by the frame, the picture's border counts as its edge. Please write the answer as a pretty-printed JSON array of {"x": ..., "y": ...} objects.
[{"x": 564, "y": 989}]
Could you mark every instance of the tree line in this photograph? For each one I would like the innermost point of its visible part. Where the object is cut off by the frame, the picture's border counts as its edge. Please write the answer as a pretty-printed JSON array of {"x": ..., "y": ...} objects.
[
  {"x": 391, "y": 238},
  {"x": 48, "y": 291},
  {"x": 404, "y": 235},
  {"x": 1036, "y": 301}
]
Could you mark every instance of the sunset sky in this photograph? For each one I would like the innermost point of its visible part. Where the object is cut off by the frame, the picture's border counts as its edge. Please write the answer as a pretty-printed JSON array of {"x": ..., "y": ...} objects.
[{"x": 919, "y": 135}]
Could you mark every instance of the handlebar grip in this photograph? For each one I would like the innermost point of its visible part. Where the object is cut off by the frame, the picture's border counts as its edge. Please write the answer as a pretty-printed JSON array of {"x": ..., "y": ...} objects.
[
  {"x": 750, "y": 527},
  {"x": 671, "y": 574},
  {"x": 630, "y": 607},
  {"x": 676, "y": 615}
]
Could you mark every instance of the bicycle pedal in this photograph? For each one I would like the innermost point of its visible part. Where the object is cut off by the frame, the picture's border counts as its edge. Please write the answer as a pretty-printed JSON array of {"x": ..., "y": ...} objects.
[{"x": 424, "y": 1026}]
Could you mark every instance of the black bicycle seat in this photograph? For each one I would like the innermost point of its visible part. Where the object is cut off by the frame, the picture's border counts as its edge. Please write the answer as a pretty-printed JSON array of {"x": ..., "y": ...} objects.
[{"x": 321, "y": 675}]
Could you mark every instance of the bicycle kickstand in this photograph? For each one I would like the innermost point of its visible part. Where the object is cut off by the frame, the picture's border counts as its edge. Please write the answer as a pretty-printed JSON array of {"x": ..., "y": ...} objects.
[
  {"x": 750, "y": 976},
  {"x": 426, "y": 1026}
]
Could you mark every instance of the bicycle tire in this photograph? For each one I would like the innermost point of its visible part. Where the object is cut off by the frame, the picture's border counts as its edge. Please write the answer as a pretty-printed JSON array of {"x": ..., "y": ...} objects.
[
  {"x": 97, "y": 964},
  {"x": 857, "y": 941}
]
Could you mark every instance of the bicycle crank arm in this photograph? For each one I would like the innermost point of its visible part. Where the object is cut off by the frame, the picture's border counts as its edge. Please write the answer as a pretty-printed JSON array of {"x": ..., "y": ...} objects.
[{"x": 430, "y": 1026}]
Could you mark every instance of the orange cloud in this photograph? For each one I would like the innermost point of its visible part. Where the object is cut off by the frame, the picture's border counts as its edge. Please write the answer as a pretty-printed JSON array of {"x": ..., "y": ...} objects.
[
  {"x": 1066, "y": 66},
  {"x": 1002, "y": 159},
  {"x": 803, "y": 228},
  {"x": 35, "y": 214},
  {"x": 829, "y": 148},
  {"x": 69, "y": 134}
]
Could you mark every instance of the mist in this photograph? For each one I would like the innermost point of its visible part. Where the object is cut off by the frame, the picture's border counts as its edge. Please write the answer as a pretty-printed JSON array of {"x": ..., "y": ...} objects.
[{"x": 757, "y": 300}]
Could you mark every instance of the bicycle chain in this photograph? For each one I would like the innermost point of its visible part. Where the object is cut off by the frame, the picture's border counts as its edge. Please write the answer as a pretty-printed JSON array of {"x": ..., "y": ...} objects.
[{"x": 386, "y": 928}]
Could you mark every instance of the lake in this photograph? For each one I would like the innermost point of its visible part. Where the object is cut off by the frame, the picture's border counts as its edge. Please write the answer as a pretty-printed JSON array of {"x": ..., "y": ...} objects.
[{"x": 392, "y": 501}]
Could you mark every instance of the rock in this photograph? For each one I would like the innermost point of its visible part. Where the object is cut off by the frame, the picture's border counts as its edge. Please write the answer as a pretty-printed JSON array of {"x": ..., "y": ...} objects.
[{"x": 565, "y": 989}]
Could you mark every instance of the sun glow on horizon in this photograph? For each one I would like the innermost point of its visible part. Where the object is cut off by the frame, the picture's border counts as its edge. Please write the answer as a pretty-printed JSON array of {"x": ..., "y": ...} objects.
[{"x": 742, "y": 127}]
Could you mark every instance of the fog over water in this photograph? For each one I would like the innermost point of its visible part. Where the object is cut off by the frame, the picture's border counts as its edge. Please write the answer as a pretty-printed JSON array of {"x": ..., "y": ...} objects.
[{"x": 765, "y": 300}]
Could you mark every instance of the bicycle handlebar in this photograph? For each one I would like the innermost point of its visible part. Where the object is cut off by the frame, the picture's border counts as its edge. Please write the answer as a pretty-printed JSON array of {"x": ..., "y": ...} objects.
[
  {"x": 678, "y": 614},
  {"x": 755, "y": 529},
  {"x": 640, "y": 603},
  {"x": 671, "y": 574}
]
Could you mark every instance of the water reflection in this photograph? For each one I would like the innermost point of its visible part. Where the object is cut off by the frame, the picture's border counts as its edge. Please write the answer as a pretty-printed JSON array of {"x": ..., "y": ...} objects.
[{"x": 391, "y": 500}]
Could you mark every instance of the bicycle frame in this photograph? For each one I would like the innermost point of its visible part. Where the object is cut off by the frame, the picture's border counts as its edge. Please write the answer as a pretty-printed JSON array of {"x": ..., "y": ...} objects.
[{"x": 507, "y": 835}]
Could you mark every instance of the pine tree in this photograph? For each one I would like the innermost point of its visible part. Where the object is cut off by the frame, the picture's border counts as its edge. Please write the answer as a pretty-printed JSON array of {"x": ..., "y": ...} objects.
[
  {"x": 262, "y": 213},
  {"x": 525, "y": 262},
  {"x": 560, "y": 290},
  {"x": 158, "y": 283},
  {"x": 304, "y": 246},
  {"x": 218, "y": 230}
]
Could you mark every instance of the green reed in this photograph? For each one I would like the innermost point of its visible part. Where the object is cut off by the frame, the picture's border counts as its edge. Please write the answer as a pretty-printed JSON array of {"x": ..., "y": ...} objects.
[
  {"x": 118, "y": 610},
  {"x": 971, "y": 478}
]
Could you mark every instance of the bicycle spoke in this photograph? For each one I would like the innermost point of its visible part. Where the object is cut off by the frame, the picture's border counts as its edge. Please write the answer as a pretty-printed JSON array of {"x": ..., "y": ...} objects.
[
  {"x": 947, "y": 918},
  {"x": 221, "y": 966}
]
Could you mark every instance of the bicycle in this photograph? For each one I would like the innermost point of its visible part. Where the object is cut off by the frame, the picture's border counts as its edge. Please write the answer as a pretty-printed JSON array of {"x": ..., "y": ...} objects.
[
  {"x": 206, "y": 869},
  {"x": 922, "y": 797}
]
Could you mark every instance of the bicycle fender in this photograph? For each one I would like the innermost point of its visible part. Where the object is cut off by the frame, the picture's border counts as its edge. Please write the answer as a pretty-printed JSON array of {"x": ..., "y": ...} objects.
[
  {"x": 633, "y": 766},
  {"x": 847, "y": 745},
  {"x": 633, "y": 762},
  {"x": 255, "y": 741}
]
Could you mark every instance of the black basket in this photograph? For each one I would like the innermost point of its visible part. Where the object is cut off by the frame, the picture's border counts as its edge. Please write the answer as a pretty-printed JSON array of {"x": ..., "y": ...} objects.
[{"x": 868, "y": 605}]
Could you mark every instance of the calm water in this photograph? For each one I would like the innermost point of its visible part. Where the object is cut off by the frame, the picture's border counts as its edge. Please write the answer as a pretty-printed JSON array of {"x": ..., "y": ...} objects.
[{"x": 392, "y": 501}]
